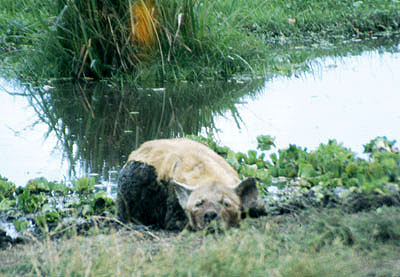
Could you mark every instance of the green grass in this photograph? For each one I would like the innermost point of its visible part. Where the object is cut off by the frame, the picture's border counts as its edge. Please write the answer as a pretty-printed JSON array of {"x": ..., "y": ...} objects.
[
  {"x": 194, "y": 39},
  {"x": 314, "y": 243}
]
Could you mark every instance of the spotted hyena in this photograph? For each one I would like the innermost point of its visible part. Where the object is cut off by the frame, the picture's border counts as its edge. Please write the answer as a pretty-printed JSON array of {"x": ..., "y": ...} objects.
[{"x": 170, "y": 182}]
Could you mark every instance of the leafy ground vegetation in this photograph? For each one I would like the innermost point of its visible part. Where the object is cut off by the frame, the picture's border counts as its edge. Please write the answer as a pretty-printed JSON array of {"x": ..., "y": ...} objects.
[
  {"x": 330, "y": 213},
  {"x": 156, "y": 40}
]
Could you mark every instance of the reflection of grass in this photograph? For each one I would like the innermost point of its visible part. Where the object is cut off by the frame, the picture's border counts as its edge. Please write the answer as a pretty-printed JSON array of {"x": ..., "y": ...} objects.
[
  {"x": 184, "y": 39},
  {"x": 98, "y": 125},
  {"x": 315, "y": 243}
]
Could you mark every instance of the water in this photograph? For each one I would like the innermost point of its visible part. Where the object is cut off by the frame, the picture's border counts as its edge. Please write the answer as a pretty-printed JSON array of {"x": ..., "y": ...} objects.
[
  {"x": 25, "y": 153},
  {"x": 93, "y": 129},
  {"x": 352, "y": 100}
]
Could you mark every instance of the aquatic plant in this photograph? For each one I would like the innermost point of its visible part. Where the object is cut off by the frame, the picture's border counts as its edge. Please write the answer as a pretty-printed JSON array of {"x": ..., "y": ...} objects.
[
  {"x": 21, "y": 225},
  {"x": 6, "y": 204},
  {"x": 331, "y": 165},
  {"x": 83, "y": 185},
  {"x": 7, "y": 188},
  {"x": 28, "y": 202},
  {"x": 47, "y": 216},
  {"x": 102, "y": 202}
]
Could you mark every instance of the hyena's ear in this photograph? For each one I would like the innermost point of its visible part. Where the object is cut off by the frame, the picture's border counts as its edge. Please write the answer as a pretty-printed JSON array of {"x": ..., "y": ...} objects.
[
  {"x": 182, "y": 192},
  {"x": 252, "y": 205},
  {"x": 247, "y": 192}
]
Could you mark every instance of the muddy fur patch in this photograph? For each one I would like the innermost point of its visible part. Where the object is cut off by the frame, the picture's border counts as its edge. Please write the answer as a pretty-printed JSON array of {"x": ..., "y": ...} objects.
[{"x": 143, "y": 200}]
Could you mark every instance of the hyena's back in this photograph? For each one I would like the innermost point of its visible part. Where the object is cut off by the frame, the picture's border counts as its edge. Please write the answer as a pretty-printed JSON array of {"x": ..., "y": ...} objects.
[{"x": 185, "y": 161}]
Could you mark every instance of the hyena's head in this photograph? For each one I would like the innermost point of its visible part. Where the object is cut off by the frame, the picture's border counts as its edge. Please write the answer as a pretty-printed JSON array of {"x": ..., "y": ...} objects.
[{"x": 216, "y": 203}]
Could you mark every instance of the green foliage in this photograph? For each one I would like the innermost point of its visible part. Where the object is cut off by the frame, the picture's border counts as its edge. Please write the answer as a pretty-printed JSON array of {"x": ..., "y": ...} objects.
[
  {"x": 7, "y": 189},
  {"x": 379, "y": 145},
  {"x": 333, "y": 165},
  {"x": 84, "y": 185},
  {"x": 46, "y": 216},
  {"x": 21, "y": 225},
  {"x": 330, "y": 165},
  {"x": 101, "y": 203},
  {"x": 46, "y": 206},
  {"x": 30, "y": 203},
  {"x": 38, "y": 185},
  {"x": 41, "y": 184},
  {"x": 6, "y": 204},
  {"x": 265, "y": 143},
  {"x": 93, "y": 39},
  {"x": 288, "y": 162},
  {"x": 332, "y": 158}
]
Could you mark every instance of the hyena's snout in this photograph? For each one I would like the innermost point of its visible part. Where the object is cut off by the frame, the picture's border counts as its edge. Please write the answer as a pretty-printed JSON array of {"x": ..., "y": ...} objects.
[{"x": 209, "y": 216}]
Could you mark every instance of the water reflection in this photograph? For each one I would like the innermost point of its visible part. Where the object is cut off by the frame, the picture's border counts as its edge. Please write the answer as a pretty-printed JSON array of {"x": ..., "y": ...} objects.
[
  {"x": 97, "y": 125},
  {"x": 24, "y": 152},
  {"x": 351, "y": 99}
]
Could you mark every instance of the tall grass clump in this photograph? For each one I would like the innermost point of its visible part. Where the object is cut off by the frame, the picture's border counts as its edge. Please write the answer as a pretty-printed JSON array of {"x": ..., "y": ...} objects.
[
  {"x": 16, "y": 26},
  {"x": 161, "y": 40},
  {"x": 97, "y": 39}
]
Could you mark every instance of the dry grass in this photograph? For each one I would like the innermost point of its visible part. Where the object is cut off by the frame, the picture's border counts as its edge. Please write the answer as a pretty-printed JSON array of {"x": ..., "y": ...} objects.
[{"x": 310, "y": 244}]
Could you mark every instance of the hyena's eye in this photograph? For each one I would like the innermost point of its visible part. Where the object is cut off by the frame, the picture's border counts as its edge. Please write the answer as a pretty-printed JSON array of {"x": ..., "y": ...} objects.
[
  {"x": 199, "y": 203},
  {"x": 226, "y": 202}
]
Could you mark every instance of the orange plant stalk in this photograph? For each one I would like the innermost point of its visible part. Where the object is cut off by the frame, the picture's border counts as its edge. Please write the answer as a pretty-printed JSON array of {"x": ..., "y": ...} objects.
[{"x": 143, "y": 23}]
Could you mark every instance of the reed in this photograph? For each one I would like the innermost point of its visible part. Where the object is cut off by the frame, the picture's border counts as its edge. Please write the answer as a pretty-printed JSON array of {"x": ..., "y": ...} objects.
[{"x": 95, "y": 39}]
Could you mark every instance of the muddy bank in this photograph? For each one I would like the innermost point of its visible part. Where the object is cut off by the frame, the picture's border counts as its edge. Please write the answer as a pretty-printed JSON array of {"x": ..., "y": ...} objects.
[{"x": 281, "y": 203}]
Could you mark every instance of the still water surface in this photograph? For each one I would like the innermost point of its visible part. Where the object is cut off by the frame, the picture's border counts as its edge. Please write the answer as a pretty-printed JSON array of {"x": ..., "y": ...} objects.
[
  {"x": 25, "y": 153},
  {"x": 351, "y": 99}
]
